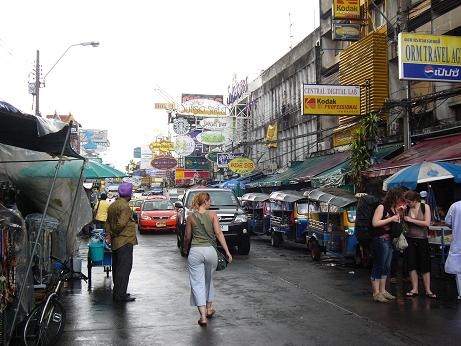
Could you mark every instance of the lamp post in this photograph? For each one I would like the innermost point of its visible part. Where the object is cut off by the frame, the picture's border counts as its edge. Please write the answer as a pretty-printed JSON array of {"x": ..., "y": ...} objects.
[{"x": 37, "y": 84}]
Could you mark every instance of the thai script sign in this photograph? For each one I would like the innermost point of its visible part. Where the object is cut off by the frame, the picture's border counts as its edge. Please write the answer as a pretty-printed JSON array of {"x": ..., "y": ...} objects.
[
  {"x": 163, "y": 146},
  {"x": 242, "y": 165},
  {"x": 211, "y": 138},
  {"x": 202, "y": 107},
  {"x": 181, "y": 126},
  {"x": 164, "y": 162},
  {"x": 223, "y": 159},
  {"x": 189, "y": 97},
  {"x": 184, "y": 145},
  {"x": 216, "y": 123},
  {"x": 429, "y": 57},
  {"x": 199, "y": 163},
  {"x": 331, "y": 99},
  {"x": 165, "y": 106},
  {"x": 346, "y": 9},
  {"x": 237, "y": 90},
  {"x": 272, "y": 135},
  {"x": 346, "y": 32}
]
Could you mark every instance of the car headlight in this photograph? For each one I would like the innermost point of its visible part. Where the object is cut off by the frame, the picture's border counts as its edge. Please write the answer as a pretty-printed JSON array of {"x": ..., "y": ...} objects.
[
  {"x": 144, "y": 217},
  {"x": 173, "y": 217},
  {"x": 240, "y": 219}
]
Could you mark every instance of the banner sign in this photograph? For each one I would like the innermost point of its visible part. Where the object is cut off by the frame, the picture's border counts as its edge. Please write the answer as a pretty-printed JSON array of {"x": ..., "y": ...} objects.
[
  {"x": 211, "y": 138},
  {"x": 429, "y": 57},
  {"x": 213, "y": 157},
  {"x": 146, "y": 157},
  {"x": 216, "y": 124},
  {"x": 346, "y": 32},
  {"x": 272, "y": 135},
  {"x": 163, "y": 146},
  {"x": 202, "y": 107},
  {"x": 181, "y": 126},
  {"x": 223, "y": 159},
  {"x": 346, "y": 9},
  {"x": 242, "y": 165},
  {"x": 137, "y": 152},
  {"x": 164, "y": 162},
  {"x": 237, "y": 90},
  {"x": 184, "y": 145},
  {"x": 322, "y": 99},
  {"x": 199, "y": 163},
  {"x": 165, "y": 106},
  {"x": 183, "y": 176}
]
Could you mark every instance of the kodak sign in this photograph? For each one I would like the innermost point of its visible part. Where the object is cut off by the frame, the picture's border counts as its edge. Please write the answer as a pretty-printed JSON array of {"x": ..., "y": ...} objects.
[
  {"x": 346, "y": 9},
  {"x": 321, "y": 99}
]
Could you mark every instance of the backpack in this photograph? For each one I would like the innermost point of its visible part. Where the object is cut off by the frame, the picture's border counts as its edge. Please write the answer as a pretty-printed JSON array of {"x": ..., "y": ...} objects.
[{"x": 366, "y": 207}]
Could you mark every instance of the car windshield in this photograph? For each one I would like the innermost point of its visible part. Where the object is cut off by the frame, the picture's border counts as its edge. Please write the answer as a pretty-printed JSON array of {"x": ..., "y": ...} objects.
[
  {"x": 157, "y": 205},
  {"x": 218, "y": 198},
  {"x": 138, "y": 203}
]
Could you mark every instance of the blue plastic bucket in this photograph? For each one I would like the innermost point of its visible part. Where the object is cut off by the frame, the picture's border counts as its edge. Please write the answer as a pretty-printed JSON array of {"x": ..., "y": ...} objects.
[{"x": 96, "y": 251}]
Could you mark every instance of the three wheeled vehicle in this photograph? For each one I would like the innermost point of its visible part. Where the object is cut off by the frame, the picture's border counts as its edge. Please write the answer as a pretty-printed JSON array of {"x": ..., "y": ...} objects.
[
  {"x": 288, "y": 219},
  {"x": 331, "y": 221},
  {"x": 256, "y": 206}
]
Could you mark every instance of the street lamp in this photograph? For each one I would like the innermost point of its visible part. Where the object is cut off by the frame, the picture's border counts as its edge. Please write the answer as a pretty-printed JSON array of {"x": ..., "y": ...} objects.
[{"x": 37, "y": 85}]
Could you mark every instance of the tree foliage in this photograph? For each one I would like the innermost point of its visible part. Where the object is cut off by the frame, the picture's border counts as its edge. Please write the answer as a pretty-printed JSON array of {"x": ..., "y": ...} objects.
[{"x": 132, "y": 166}]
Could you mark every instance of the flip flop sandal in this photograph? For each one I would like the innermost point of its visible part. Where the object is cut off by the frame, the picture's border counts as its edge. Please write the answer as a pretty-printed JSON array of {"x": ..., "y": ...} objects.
[
  {"x": 431, "y": 296},
  {"x": 411, "y": 294}
]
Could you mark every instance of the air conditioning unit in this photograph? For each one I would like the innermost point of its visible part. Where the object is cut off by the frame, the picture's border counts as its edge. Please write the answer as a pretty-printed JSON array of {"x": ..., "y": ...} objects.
[{"x": 321, "y": 146}]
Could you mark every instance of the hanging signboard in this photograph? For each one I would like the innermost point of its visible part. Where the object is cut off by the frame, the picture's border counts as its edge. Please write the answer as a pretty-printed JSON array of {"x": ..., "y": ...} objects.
[
  {"x": 211, "y": 138},
  {"x": 146, "y": 157},
  {"x": 165, "y": 106},
  {"x": 137, "y": 152},
  {"x": 202, "y": 108},
  {"x": 164, "y": 162},
  {"x": 344, "y": 9},
  {"x": 181, "y": 126},
  {"x": 163, "y": 146},
  {"x": 199, "y": 163},
  {"x": 346, "y": 32},
  {"x": 216, "y": 124},
  {"x": 213, "y": 157},
  {"x": 429, "y": 57},
  {"x": 322, "y": 99},
  {"x": 184, "y": 145},
  {"x": 223, "y": 159},
  {"x": 242, "y": 165},
  {"x": 272, "y": 135},
  {"x": 184, "y": 176}
]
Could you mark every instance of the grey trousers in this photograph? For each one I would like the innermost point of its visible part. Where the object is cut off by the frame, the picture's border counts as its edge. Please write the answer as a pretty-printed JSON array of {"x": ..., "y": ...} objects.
[
  {"x": 202, "y": 262},
  {"x": 122, "y": 262}
]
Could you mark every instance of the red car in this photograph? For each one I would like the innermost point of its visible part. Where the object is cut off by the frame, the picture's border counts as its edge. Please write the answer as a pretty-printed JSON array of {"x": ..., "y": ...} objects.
[{"x": 156, "y": 215}]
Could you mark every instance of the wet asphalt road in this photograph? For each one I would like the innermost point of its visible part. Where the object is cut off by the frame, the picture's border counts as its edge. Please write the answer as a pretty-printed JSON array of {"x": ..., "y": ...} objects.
[{"x": 274, "y": 296}]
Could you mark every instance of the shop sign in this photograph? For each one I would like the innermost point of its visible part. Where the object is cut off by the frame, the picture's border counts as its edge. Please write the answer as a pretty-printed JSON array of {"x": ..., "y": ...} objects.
[
  {"x": 165, "y": 106},
  {"x": 146, "y": 157},
  {"x": 344, "y": 136},
  {"x": 237, "y": 90},
  {"x": 223, "y": 159},
  {"x": 202, "y": 108},
  {"x": 183, "y": 176},
  {"x": 331, "y": 99},
  {"x": 199, "y": 163},
  {"x": 213, "y": 157},
  {"x": 346, "y": 9},
  {"x": 242, "y": 165},
  {"x": 346, "y": 32},
  {"x": 164, "y": 162},
  {"x": 272, "y": 135},
  {"x": 216, "y": 124},
  {"x": 211, "y": 138},
  {"x": 184, "y": 145},
  {"x": 181, "y": 126},
  {"x": 137, "y": 152},
  {"x": 163, "y": 146},
  {"x": 429, "y": 57}
]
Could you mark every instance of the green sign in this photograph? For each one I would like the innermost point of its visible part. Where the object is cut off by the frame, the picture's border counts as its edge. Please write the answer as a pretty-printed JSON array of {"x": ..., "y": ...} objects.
[{"x": 197, "y": 163}]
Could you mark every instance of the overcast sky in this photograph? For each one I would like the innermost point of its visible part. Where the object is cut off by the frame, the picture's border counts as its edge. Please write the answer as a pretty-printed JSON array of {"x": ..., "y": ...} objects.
[{"x": 183, "y": 46}]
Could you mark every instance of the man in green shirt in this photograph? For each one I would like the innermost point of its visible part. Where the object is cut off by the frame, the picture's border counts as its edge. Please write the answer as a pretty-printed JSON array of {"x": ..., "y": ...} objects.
[{"x": 121, "y": 233}]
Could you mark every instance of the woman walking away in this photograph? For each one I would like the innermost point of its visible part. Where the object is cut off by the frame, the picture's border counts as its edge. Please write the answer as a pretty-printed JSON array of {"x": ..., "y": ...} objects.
[
  {"x": 202, "y": 258},
  {"x": 453, "y": 220},
  {"x": 100, "y": 211},
  {"x": 418, "y": 219},
  {"x": 385, "y": 215}
]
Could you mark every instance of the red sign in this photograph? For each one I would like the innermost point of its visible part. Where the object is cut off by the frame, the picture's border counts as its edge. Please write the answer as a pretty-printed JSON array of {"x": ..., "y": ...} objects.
[{"x": 186, "y": 176}]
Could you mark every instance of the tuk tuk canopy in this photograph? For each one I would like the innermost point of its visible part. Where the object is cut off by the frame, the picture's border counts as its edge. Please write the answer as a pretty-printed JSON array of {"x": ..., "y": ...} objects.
[
  {"x": 333, "y": 196},
  {"x": 255, "y": 197},
  {"x": 286, "y": 196}
]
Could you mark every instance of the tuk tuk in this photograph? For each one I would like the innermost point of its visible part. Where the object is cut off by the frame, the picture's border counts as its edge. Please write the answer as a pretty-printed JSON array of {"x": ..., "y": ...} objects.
[
  {"x": 288, "y": 219},
  {"x": 330, "y": 227},
  {"x": 256, "y": 206}
]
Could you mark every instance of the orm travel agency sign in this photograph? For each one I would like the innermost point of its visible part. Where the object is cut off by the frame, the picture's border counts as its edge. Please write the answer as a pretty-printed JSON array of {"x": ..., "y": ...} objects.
[
  {"x": 429, "y": 57},
  {"x": 321, "y": 99}
]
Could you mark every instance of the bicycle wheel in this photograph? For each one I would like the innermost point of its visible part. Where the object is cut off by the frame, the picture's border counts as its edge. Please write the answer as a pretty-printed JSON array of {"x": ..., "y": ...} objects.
[{"x": 50, "y": 329}]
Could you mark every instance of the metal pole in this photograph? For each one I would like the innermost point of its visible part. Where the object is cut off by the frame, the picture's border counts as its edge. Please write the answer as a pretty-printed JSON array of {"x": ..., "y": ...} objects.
[
  {"x": 39, "y": 233},
  {"x": 406, "y": 120},
  {"x": 37, "y": 84}
]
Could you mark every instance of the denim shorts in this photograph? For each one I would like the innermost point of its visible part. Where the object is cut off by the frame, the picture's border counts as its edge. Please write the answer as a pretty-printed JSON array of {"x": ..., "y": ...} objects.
[{"x": 382, "y": 257}]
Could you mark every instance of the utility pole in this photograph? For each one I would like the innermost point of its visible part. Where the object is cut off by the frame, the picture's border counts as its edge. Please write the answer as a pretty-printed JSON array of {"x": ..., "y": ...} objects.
[
  {"x": 37, "y": 84},
  {"x": 407, "y": 115}
]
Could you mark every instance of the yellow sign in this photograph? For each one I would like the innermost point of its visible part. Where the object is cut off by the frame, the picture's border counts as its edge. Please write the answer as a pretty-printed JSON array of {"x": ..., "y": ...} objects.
[
  {"x": 429, "y": 57},
  {"x": 344, "y": 136},
  {"x": 346, "y": 9},
  {"x": 242, "y": 165},
  {"x": 331, "y": 99},
  {"x": 272, "y": 135},
  {"x": 179, "y": 174},
  {"x": 165, "y": 106},
  {"x": 163, "y": 146}
]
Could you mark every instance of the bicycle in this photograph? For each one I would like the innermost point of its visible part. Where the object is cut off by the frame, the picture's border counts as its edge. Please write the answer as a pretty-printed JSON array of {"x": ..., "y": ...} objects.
[{"x": 45, "y": 324}]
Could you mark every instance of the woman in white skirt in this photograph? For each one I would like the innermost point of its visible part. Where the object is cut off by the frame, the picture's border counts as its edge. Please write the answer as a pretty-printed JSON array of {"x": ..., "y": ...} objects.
[{"x": 202, "y": 258}]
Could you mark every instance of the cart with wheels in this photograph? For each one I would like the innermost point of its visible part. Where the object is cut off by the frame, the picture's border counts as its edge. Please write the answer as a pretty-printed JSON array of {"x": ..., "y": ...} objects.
[{"x": 99, "y": 255}]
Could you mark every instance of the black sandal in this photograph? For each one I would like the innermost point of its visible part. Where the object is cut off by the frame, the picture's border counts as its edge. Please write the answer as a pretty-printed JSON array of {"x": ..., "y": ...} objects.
[
  {"x": 411, "y": 294},
  {"x": 431, "y": 296}
]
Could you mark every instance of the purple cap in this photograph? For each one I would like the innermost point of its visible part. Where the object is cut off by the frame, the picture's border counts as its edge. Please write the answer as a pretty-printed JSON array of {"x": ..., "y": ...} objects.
[{"x": 125, "y": 189}]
